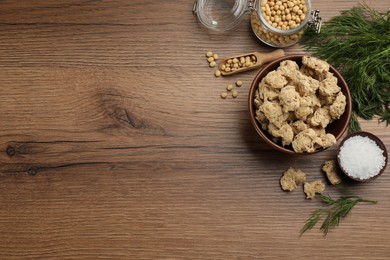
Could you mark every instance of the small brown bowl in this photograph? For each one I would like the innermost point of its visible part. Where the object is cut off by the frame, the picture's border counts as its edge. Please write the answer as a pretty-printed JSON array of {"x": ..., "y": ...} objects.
[
  {"x": 337, "y": 127},
  {"x": 377, "y": 141}
]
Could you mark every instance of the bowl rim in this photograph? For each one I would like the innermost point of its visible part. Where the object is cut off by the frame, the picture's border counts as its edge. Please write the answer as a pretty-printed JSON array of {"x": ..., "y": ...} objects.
[
  {"x": 373, "y": 137},
  {"x": 254, "y": 86}
]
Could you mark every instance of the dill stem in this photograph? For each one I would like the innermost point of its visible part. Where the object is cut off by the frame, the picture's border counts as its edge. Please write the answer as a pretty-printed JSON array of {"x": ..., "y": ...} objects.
[
  {"x": 336, "y": 210},
  {"x": 369, "y": 201}
]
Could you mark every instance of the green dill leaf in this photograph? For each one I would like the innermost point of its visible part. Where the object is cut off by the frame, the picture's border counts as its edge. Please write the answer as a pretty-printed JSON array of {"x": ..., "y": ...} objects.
[
  {"x": 312, "y": 221},
  {"x": 354, "y": 124},
  {"x": 335, "y": 211},
  {"x": 326, "y": 199},
  {"x": 357, "y": 43}
]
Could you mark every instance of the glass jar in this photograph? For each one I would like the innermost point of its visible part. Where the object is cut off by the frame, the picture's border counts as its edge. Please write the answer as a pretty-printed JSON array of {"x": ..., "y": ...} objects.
[{"x": 222, "y": 15}]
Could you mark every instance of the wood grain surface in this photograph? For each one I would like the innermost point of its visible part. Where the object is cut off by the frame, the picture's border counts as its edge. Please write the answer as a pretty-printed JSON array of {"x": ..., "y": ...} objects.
[{"x": 115, "y": 143}]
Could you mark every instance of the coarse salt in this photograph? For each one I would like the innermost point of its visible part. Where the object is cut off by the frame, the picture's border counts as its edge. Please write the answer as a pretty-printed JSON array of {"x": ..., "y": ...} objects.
[{"x": 361, "y": 158}]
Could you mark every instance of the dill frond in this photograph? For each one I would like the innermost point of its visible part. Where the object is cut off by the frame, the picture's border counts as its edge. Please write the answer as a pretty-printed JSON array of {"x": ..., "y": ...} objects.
[
  {"x": 336, "y": 210},
  {"x": 357, "y": 43}
]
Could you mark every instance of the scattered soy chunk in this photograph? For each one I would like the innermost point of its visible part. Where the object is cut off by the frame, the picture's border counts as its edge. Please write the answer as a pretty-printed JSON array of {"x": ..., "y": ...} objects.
[
  {"x": 224, "y": 95},
  {"x": 209, "y": 54},
  {"x": 229, "y": 87},
  {"x": 235, "y": 93},
  {"x": 239, "y": 83},
  {"x": 217, "y": 73}
]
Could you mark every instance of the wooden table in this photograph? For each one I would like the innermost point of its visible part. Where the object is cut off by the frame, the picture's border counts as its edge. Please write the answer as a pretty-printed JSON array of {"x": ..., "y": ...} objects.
[{"x": 115, "y": 143}]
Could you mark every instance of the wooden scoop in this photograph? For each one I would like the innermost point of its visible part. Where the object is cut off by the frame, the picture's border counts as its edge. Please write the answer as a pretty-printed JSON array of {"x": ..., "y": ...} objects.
[{"x": 261, "y": 58}]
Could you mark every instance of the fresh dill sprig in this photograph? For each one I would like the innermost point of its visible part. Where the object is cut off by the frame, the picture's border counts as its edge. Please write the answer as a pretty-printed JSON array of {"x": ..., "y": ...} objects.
[
  {"x": 354, "y": 125},
  {"x": 336, "y": 210},
  {"x": 357, "y": 42}
]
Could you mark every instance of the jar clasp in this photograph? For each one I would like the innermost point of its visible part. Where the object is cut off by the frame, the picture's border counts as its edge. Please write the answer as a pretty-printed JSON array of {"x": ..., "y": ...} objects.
[
  {"x": 315, "y": 20},
  {"x": 252, "y": 5},
  {"x": 195, "y": 7}
]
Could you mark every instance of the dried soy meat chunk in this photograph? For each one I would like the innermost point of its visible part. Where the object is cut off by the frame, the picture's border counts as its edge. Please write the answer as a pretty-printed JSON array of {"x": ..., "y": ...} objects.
[
  {"x": 332, "y": 171},
  {"x": 311, "y": 188},
  {"x": 291, "y": 178}
]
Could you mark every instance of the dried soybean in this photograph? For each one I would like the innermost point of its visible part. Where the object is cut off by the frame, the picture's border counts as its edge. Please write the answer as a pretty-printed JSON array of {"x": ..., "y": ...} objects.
[
  {"x": 238, "y": 63},
  {"x": 224, "y": 95}
]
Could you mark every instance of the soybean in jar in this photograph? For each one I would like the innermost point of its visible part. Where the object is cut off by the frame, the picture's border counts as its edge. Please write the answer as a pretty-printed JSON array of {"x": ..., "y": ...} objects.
[
  {"x": 280, "y": 23},
  {"x": 277, "y": 23}
]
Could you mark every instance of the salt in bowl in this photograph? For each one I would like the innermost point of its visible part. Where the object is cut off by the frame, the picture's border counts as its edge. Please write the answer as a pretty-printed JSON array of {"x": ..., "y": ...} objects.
[{"x": 362, "y": 156}]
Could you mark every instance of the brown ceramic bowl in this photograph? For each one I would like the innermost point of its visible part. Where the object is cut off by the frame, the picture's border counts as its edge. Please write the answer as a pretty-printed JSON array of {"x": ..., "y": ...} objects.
[
  {"x": 337, "y": 127},
  {"x": 377, "y": 141}
]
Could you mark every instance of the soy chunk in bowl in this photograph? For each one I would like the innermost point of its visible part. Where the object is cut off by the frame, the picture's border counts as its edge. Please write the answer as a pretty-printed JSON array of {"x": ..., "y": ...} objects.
[{"x": 299, "y": 104}]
